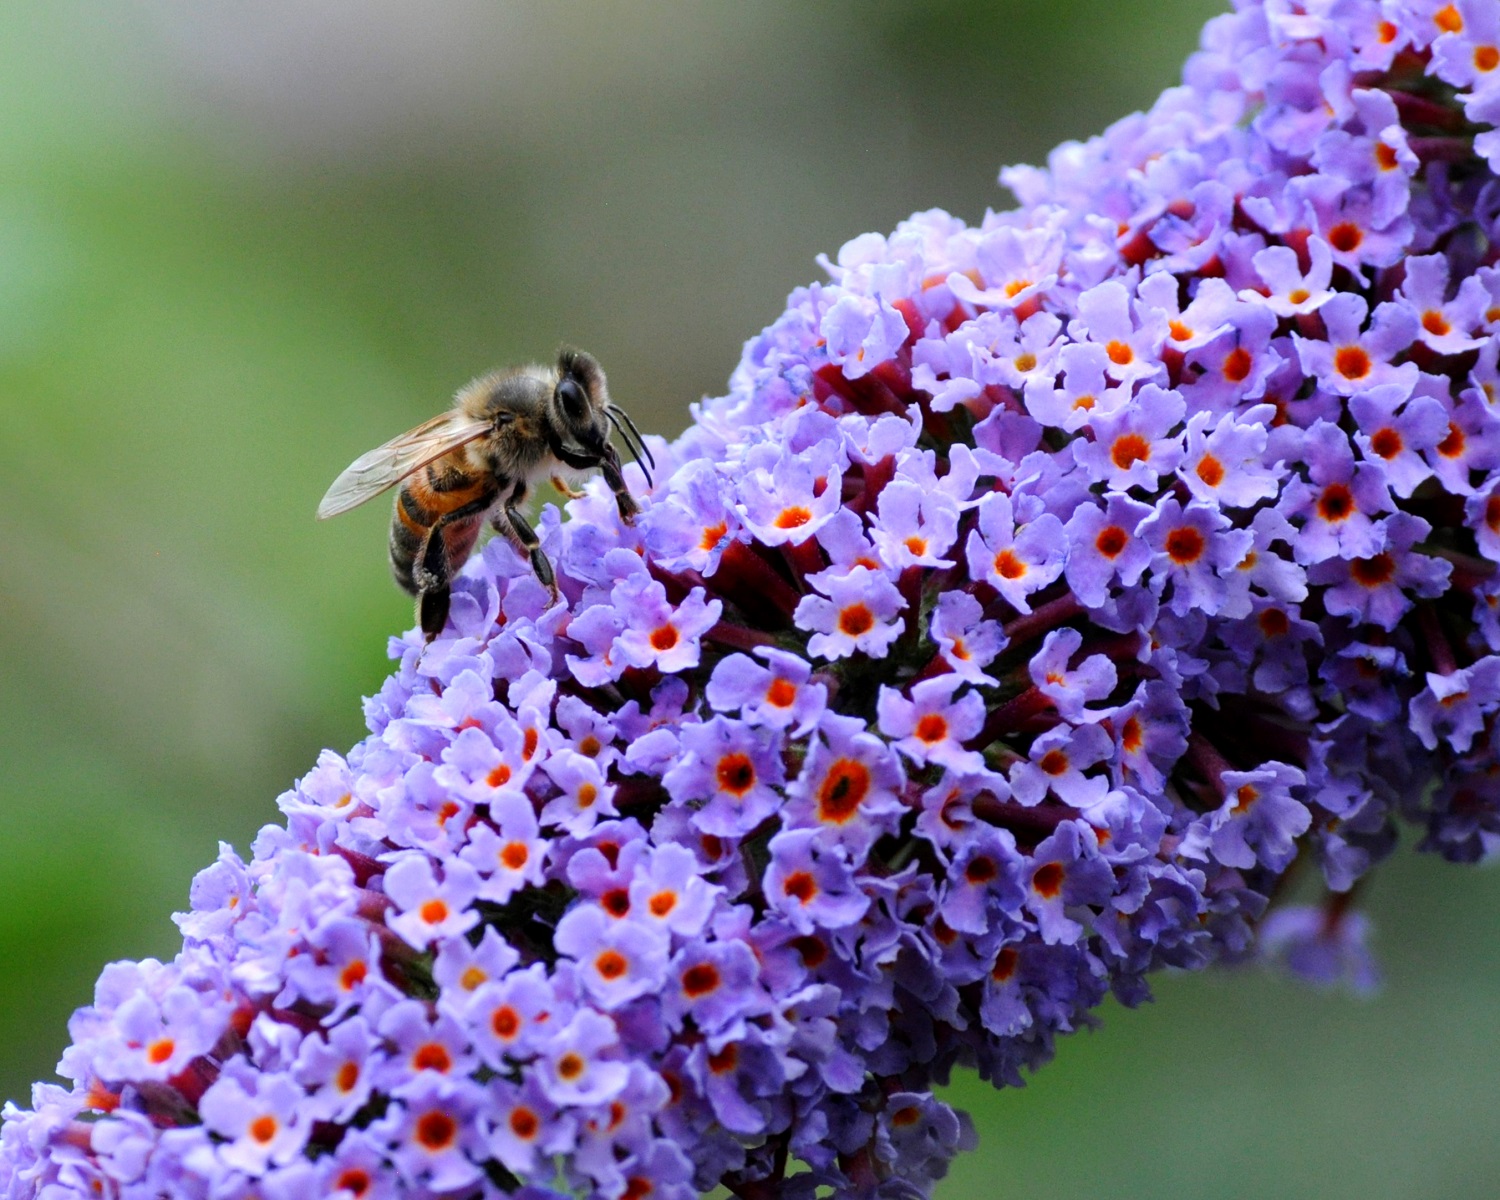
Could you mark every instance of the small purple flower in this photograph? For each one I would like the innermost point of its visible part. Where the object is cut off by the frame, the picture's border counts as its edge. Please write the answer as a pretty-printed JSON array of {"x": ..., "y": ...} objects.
[
  {"x": 983, "y": 882},
  {"x": 1226, "y": 465},
  {"x": 1134, "y": 447},
  {"x": 1018, "y": 548},
  {"x": 849, "y": 785},
  {"x": 1065, "y": 872},
  {"x": 1084, "y": 395},
  {"x": 1445, "y": 326},
  {"x": 1105, "y": 317},
  {"x": 431, "y": 1134},
  {"x": 914, "y": 528},
  {"x": 1378, "y": 587},
  {"x": 428, "y": 908},
  {"x": 260, "y": 1119},
  {"x": 1289, "y": 291},
  {"x": 1339, "y": 502},
  {"x": 337, "y": 1072},
  {"x": 1071, "y": 688},
  {"x": 1353, "y": 360},
  {"x": 1013, "y": 265},
  {"x": 855, "y": 617},
  {"x": 1103, "y": 546},
  {"x": 1058, "y": 762},
  {"x": 862, "y": 333},
  {"x": 714, "y": 983},
  {"x": 618, "y": 960},
  {"x": 967, "y": 643},
  {"x": 810, "y": 884},
  {"x": 932, "y": 726},
  {"x": 779, "y": 694},
  {"x": 1454, "y": 706},
  {"x": 1323, "y": 947},
  {"x": 1398, "y": 440},
  {"x": 1258, "y": 823},
  {"x": 656, "y": 633},
  {"x": 734, "y": 768},
  {"x": 795, "y": 498}
]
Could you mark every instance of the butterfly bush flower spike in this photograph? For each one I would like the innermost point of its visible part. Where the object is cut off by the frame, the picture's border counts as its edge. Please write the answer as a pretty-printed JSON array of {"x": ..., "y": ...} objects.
[{"x": 1041, "y": 593}]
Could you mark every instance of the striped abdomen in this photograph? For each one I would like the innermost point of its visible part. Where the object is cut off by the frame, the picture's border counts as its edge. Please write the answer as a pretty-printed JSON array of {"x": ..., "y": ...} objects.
[{"x": 424, "y": 498}]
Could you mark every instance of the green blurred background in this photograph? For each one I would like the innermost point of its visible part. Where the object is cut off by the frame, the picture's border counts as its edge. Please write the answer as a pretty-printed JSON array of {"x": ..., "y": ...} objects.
[{"x": 240, "y": 244}]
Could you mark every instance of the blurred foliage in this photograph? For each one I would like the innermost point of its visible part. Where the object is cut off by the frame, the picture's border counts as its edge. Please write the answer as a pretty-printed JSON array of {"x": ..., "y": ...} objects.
[{"x": 239, "y": 245}]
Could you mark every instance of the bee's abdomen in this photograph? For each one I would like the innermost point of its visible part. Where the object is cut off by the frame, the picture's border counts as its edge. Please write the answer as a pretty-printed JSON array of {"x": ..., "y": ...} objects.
[
  {"x": 409, "y": 525},
  {"x": 422, "y": 501}
]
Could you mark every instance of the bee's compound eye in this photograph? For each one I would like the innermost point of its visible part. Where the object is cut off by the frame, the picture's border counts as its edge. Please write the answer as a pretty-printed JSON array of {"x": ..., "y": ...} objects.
[{"x": 574, "y": 402}]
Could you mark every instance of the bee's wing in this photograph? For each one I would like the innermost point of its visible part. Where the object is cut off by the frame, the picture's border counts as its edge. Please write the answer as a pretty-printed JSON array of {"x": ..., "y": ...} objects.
[{"x": 385, "y": 466}]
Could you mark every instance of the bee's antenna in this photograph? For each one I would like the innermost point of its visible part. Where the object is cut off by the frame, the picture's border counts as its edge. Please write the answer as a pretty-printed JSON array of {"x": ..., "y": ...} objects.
[{"x": 631, "y": 436}]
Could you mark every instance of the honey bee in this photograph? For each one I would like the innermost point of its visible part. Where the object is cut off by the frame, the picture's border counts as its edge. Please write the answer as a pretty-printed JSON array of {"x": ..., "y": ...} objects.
[{"x": 506, "y": 432}]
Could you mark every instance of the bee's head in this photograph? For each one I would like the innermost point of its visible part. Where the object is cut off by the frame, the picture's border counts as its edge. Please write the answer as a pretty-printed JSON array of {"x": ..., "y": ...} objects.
[{"x": 580, "y": 399}]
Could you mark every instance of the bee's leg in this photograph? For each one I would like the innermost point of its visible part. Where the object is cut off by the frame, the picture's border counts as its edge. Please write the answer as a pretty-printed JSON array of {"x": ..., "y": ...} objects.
[
  {"x": 432, "y": 610},
  {"x": 431, "y": 576},
  {"x": 528, "y": 540},
  {"x": 561, "y": 485},
  {"x": 609, "y": 463},
  {"x": 432, "y": 570}
]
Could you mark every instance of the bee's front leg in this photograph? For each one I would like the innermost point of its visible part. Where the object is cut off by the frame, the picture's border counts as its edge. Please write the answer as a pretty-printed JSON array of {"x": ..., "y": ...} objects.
[{"x": 609, "y": 463}]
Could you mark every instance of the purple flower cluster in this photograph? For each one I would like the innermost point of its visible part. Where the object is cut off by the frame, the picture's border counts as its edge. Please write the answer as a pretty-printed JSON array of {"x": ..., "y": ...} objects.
[{"x": 1040, "y": 594}]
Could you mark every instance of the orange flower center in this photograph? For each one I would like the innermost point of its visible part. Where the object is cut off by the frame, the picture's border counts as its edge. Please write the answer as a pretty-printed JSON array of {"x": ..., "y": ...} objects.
[
  {"x": 844, "y": 787},
  {"x": 700, "y": 979},
  {"x": 1336, "y": 503},
  {"x": 1237, "y": 365},
  {"x": 1351, "y": 362},
  {"x": 856, "y": 620},
  {"x": 1111, "y": 541},
  {"x": 931, "y": 728},
  {"x": 1048, "y": 880},
  {"x": 736, "y": 774},
  {"x": 1129, "y": 449},
  {"x": 1184, "y": 545},
  {"x": 436, "y": 1130}
]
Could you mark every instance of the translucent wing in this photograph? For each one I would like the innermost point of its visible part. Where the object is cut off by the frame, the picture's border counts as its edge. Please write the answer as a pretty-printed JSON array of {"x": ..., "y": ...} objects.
[{"x": 385, "y": 466}]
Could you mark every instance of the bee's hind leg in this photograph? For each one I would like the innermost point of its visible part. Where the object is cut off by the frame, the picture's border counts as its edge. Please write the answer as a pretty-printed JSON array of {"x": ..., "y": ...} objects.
[
  {"x": 432, "y": 610},
  {"x": 432, "y": 571}
]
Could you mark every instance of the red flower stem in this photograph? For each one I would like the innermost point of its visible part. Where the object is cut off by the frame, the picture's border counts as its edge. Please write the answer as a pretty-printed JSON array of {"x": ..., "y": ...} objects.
[
  {"x": 1011, "y": 716},
  {"x": 372, "y": 906},
  {"x": 876, "y": 476},
  {"x": 365, "y": 867},
  {"x": 748, "y": 580},
  {"x": 1019, "y": 818},
  {"x": 805, "y": 558},
  {"x": 1043, "y": 618},
  {"x": 1208, "y": 761},
  {"x": 1419, "y": 110},
  {"x": 1436, "y": 641},
  {"x": 1442, "y": 149},
  {"x": 738, "y": 637}
]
